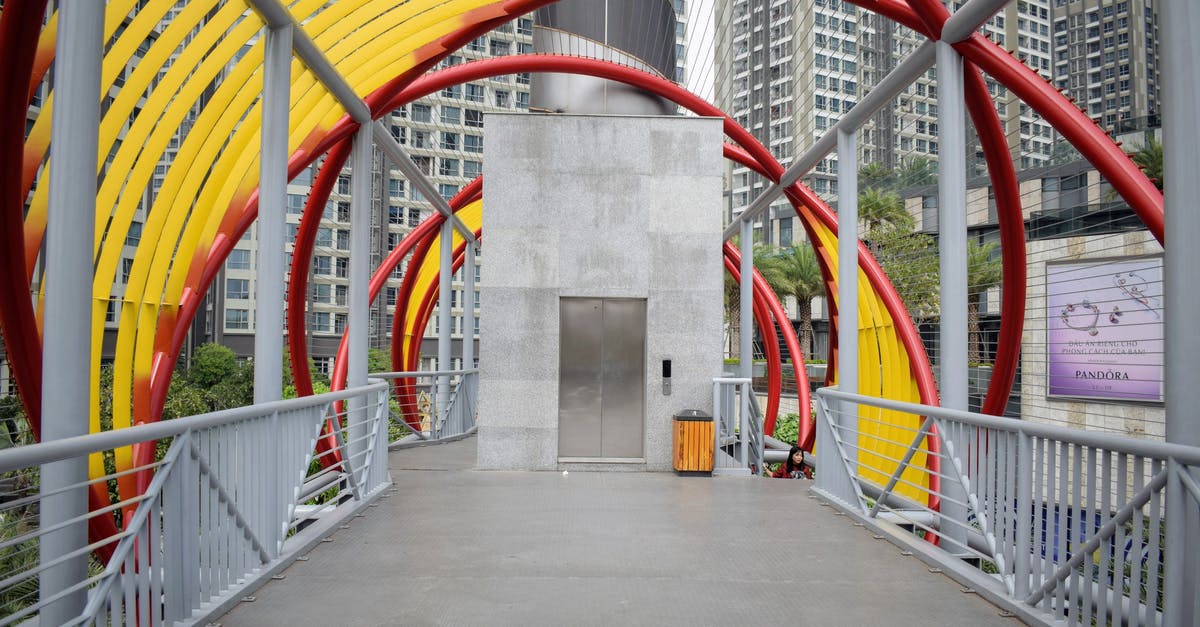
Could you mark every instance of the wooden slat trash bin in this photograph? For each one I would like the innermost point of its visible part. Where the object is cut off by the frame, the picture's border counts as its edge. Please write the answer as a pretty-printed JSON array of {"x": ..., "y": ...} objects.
[{"x": 693, "y": 442}]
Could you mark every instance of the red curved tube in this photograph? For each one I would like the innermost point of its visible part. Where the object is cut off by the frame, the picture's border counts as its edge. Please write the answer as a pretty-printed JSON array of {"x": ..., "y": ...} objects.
[
  {"x": 20, "y": 25},
  {"x": 767, "y": 325},
  {"x": 1092, "y": 142},
  {"x": 1012, "y": 239},
  {"x": 764, "y": 293},
  {"x": 306, "y": 236}
]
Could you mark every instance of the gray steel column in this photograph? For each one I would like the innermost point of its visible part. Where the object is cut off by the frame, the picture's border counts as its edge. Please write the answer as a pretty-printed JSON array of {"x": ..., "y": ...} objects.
[
  {"x": 360, "y": 277},
  {"x": 746, "y": 321},
  {"x": 270, "y": 282},
  {"x": 445, "y": 320},
  {"x": 468, "y": 349},
  {"x": 952, "y": 265},
  {"x": 1180, "y": 21},
  {"x": 847, "y": 354},
  {"x": 68, "y": 306}
]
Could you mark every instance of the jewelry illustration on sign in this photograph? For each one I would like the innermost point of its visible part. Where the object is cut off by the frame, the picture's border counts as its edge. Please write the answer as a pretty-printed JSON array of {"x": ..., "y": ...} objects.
[
  {"x": 1134, "y": 286},
  {"x": 1083, "y": 321}
]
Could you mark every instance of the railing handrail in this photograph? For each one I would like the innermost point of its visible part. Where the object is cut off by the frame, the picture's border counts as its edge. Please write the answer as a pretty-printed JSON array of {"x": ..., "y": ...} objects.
[
  {"x": 1182, "y": 453},
  {"x": 422, "y": 373},
  {"x": 56, "y": 450}
]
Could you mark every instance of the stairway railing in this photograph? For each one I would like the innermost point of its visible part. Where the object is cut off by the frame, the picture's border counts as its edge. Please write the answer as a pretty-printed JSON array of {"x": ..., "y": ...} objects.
[{"x": 737, "y": 422}]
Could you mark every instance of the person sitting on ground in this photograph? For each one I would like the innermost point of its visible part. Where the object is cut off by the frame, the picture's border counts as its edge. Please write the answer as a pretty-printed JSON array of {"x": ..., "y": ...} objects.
[{"x": 793, "y": 467}]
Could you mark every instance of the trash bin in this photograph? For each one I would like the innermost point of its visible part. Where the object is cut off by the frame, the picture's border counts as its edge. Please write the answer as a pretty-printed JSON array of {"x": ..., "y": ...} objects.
[{"x": 693, "y": 431}]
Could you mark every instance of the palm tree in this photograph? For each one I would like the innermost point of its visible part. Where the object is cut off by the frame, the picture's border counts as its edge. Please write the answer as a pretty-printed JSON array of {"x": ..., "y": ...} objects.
[
  {"x": 983, "y": 273},
  {"x": 875, "y": 175},
  {"x": 1149, "y": 157},
  {"x": 733, "y": 312},
  {"x": 877, "y": 208},
  {"x": 914, "y": 171},
  {"x": 795, "y": 272}
]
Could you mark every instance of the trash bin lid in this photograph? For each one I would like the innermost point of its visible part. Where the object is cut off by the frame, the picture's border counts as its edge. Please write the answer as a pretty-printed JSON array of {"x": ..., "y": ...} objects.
[{"x": 694, "y": 414}]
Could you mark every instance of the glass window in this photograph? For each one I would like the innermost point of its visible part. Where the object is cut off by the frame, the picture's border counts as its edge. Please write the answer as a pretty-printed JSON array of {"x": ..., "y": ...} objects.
[
  {"x": 237, "y": 288},
  {"x": 239, "y": 259},
  {"x": 421, "y": 113},
  {"x": 451, "y": 115},
  {"x": 473, "y": 143},
  {"x": 134, "y": 235},
  {"x": 237, "y": 319}
]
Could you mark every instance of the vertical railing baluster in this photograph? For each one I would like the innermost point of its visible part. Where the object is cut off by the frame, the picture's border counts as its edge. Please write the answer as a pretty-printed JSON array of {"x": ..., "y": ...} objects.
[
  {"x": 1119, "y": 560},
  {"x": 1023, "y": 528},
  {"x": 1062, "y": 503},
  {"x": 1154, "y": 560},
  {"x": 1075, "y": 590},
  {"x": 1106, "y": 549},
  {"x": 1137, "y": 539},
  {"x": 1090, "y": 527}
]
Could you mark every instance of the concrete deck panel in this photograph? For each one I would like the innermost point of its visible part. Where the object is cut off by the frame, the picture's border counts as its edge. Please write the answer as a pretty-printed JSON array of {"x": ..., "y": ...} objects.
[{"x": 456, "y": 546}]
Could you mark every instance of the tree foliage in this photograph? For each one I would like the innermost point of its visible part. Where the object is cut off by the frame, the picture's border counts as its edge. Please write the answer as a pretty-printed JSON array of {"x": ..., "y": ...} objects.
[
  {"x": 910, "y": 260},
  {"x": 1149, "y": 157},
  {"x": 984, "y": 271},
  {"x": 878, "y": 208},
  {"x": 795, "y": 272}
]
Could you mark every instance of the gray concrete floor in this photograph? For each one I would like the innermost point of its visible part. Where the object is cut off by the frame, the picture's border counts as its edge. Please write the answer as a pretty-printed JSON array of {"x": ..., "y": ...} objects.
[{"x": 455, "y": 546}]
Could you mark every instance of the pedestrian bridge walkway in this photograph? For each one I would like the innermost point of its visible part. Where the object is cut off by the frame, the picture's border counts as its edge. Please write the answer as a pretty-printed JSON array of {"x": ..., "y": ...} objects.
[{"x": 451, "y": 545}]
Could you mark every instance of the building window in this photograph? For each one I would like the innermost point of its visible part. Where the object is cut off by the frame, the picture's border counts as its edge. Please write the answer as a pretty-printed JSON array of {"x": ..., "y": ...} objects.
[
  {"x": 414, "y": 216},
  {"x": 447, "y": 190},
  {"x": 448, "y": 167},
  {"x": 785, "y": 231},
  {"x": 451, "y": 115},
  {"x": 237, "y": 319},
  {"x": 396, "y": 188},
  {"x": 134, "y": 235},
  {"x": 472, "y": 143},
  {"x": 421, "y": 113},
  {"x": 320, "y": 321},
  {"x": 450, "y": 141},
  {"x": 473, "y": 118},
  {"x": 929, "y": 214},
  {"x": 472, "y": 169},
  {"x": 237, "y": 289},
  {"x": 475, "y": 92},
  {"x": 239, "y": 259},
  {"x": 322, "y": 265}
]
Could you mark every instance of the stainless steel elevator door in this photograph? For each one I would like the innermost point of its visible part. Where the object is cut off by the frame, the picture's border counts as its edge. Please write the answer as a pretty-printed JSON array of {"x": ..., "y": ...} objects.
[{"x": 601, "y": 389}]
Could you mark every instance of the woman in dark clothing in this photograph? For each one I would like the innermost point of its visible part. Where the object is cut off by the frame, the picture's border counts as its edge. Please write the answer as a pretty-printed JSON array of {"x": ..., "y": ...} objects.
[{"x": 793, "y": 467}]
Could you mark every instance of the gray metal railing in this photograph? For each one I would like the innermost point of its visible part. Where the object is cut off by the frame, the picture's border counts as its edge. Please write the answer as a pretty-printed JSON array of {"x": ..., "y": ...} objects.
[
  {"x": 1061, "y": 525},
  {"x": 234, "y": 498},
  {"x": 737, "y": 428},
  {"x": 415, "y": 393}
]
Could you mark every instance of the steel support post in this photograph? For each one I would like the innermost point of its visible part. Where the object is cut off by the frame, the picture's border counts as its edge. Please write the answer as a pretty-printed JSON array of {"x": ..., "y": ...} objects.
[
  {"x": 746, "y": 302},
  {"x": 270, "y": 280},
  {"x": 360, "y": 277},
  {"x": 74, "y": 140},
  {"x": 468, "y": 329},
  {"x": 847, "y": 303},
  {"x": 1180, "y": 21},
  {"x": 445, "y": 320},
  {"x": 952, "y": 265}
]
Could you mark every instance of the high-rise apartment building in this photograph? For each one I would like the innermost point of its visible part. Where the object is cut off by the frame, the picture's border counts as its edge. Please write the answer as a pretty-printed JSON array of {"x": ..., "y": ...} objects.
[
  {"x": 1106, "y": 56},
  {"x": 788, "y": 71},
  {"x": 444, "y": 135}
]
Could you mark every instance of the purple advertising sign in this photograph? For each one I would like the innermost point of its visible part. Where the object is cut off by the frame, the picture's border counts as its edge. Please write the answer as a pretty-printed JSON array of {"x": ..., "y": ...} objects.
[{"x": 1105, "y": 329}]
